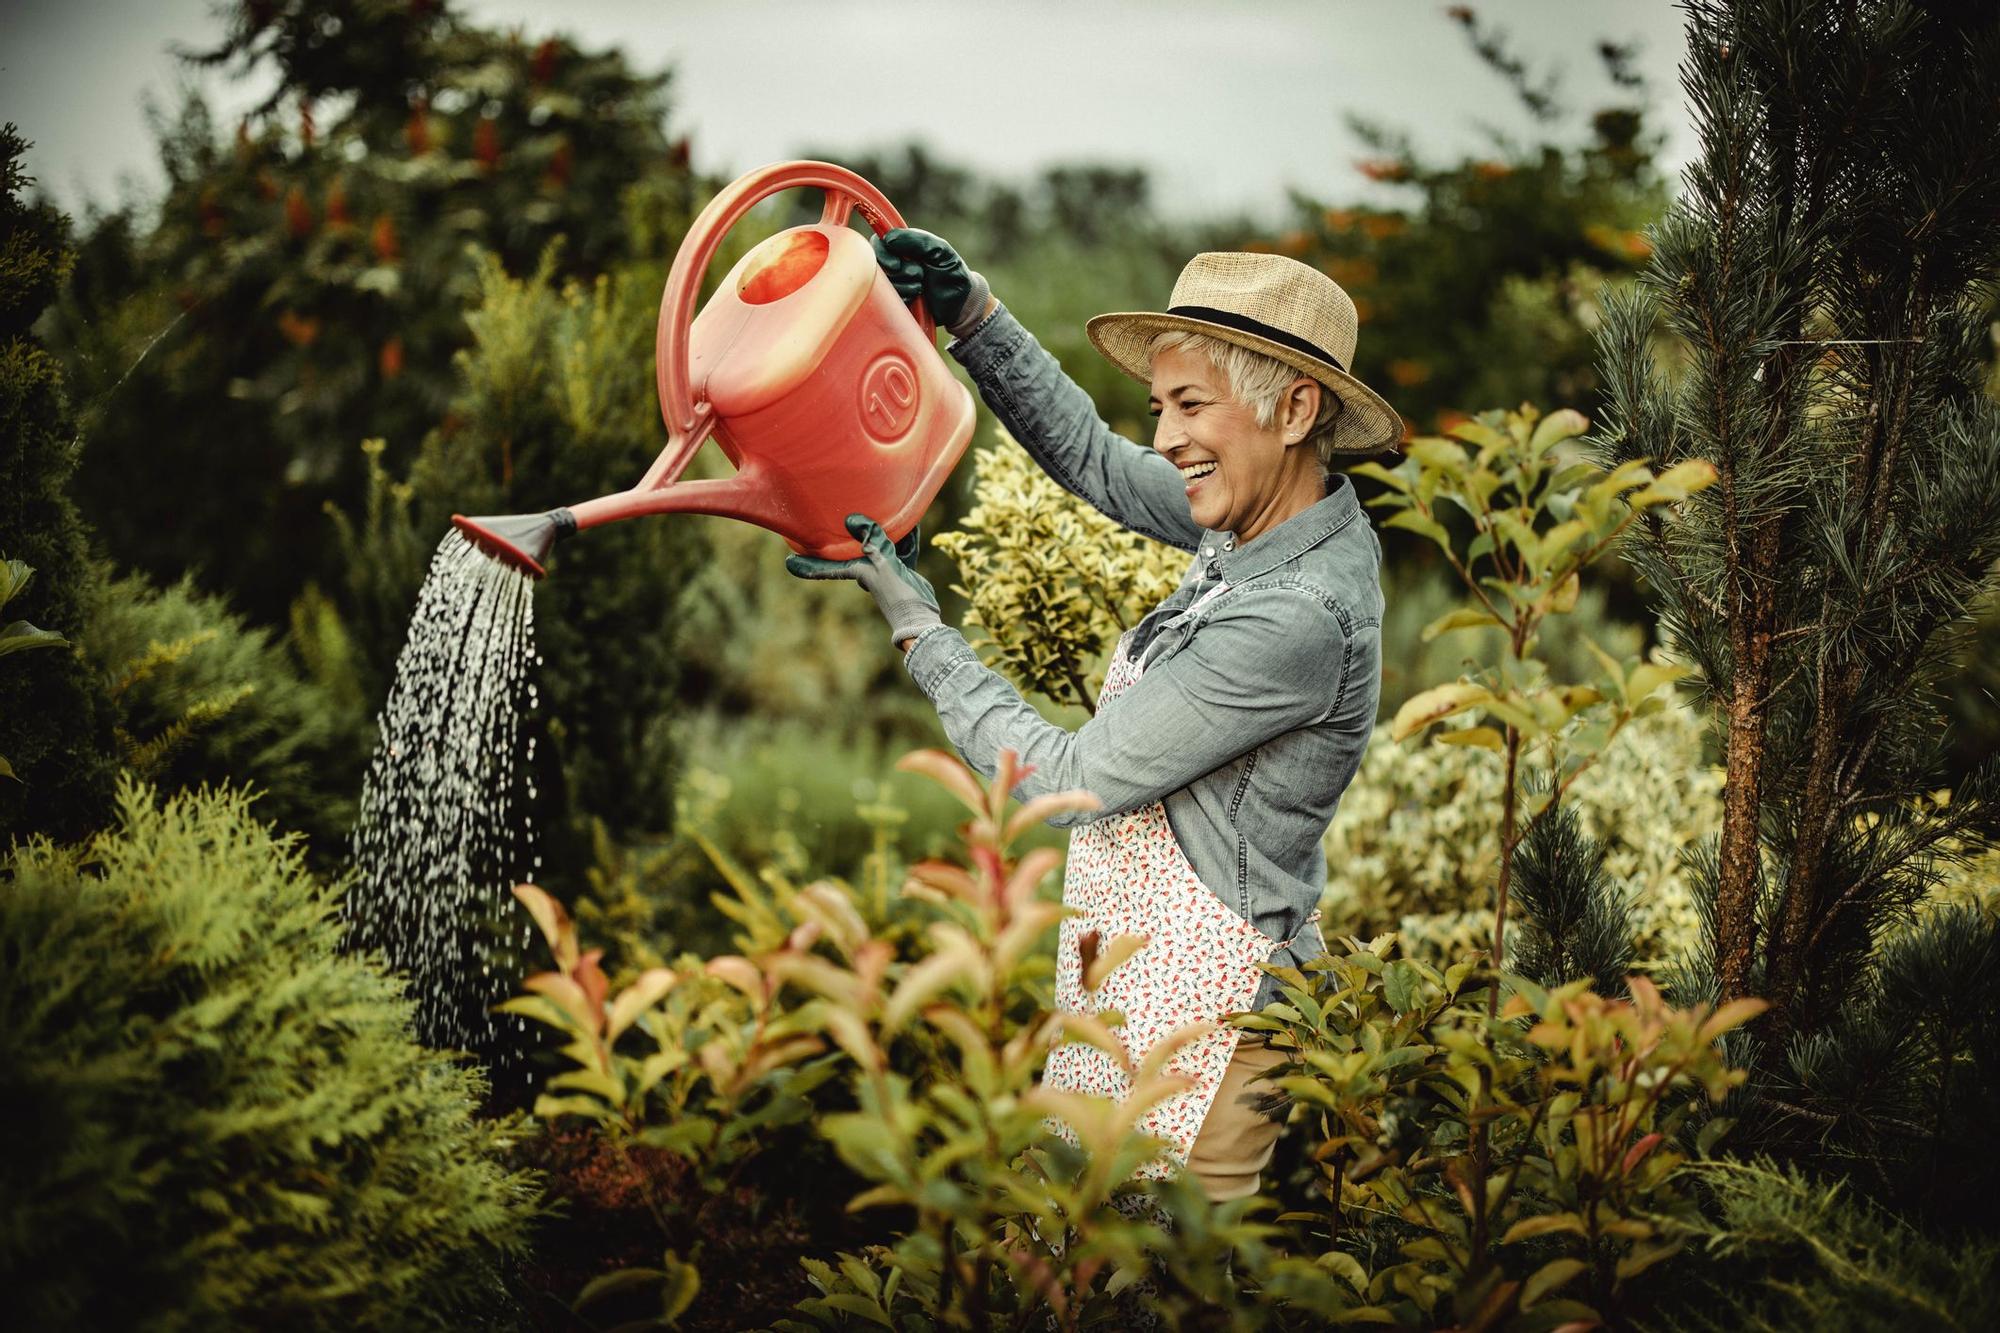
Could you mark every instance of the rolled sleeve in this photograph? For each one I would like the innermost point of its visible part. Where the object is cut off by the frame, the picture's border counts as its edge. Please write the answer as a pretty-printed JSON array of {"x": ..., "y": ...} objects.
[{"x": 1268, "y": 660}]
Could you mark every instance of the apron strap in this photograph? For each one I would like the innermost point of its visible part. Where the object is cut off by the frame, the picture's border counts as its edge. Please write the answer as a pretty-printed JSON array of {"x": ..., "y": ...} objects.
[{"x": 1311, "y": 920}]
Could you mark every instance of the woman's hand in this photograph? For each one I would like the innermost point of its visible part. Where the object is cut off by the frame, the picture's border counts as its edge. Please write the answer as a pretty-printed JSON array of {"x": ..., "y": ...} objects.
[
  {"x": 920, "y": 264},
  {"x": 904, "y": 597}
]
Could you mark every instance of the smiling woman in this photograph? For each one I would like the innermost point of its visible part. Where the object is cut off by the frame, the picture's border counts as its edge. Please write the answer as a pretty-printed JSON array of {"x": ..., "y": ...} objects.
[{"x": 1233, "y": 715}]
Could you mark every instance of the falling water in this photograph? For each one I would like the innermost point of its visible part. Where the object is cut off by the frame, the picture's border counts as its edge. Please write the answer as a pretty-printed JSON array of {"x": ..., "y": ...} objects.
[{"x": 445, "y": 830}]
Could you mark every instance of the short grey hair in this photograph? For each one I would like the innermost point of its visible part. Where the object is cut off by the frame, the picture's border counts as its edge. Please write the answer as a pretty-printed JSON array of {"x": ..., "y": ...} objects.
[{"x": 1258, "y": 381}]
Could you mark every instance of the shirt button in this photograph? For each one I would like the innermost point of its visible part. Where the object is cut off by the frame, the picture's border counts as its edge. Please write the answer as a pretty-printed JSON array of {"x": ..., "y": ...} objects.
[
  {"x": 1208, "y": 550},
  {"x": 1229, "y": 545}
]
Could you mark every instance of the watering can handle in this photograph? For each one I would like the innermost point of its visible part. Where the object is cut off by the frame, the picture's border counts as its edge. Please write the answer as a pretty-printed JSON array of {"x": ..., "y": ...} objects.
[{"x": 687, "y": 421}]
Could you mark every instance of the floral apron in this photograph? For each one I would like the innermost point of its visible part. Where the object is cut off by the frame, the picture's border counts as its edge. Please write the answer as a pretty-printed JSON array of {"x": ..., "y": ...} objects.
[{"x": 1126, "y": 875}]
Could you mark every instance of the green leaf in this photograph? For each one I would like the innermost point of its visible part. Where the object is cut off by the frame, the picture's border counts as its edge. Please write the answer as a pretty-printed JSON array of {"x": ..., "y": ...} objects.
[
  {"x": 20, "y": 635},
  {"x": 15, "y": 576},
  {"x": 1437, "y": 453},
  {"x": 859, "y": 1305},
  {"x": 1436, "y": 703},
  {"x": 1486, "y": 738},
  {"x": 1563, "y": 424},
  {"x": 610, "y": 1284},
  {"x": 1466, "y": 617},
  {"x": 1530, "y": 1227},
  {"x": 677, "y": 1293},
  {"x": 1400, "y": 982},
  {"x": 1644, "y": 1257},
  {"x": 1478, "y": 433},
  {"x": 1381, "y": 474},
  {"x": 1345, "y": 1267},
  {"x": 1548, "y": 1277},
  {"x": 1420, "y": 523},
  {"x": 1649, "y": 676},
  {"x": 1676, "y": 483}
]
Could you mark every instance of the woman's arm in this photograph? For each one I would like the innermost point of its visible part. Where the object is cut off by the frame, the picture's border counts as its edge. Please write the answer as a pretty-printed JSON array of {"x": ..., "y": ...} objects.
[
  {"x": 1057, "y": 423},
  {"x": 1270, "y": 660}
]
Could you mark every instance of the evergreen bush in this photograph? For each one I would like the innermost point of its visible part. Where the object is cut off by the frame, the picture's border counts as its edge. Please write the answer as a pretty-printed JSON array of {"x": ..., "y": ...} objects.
[
  {"x": 1782, "y": 1252},
  {"x": 219, "y": 1119},
  {"x": 1830, "y": 269},
  {"x": 55, "y": 730},
  {"x": 203, "y": 697}
]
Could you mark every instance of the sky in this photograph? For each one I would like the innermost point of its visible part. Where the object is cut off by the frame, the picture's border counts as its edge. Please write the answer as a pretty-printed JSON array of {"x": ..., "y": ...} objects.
[{"x": 1229, "y": 103}]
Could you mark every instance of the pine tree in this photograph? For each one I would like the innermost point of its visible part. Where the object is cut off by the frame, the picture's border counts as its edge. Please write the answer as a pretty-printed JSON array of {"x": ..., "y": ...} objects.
[
  {"x": 55, "y": 726},
  {"x": 1826, "y": 272}
]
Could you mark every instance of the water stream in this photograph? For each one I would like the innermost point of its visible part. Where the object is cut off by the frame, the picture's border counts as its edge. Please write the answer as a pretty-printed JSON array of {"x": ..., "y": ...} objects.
[{"x": 445, "y": 828}]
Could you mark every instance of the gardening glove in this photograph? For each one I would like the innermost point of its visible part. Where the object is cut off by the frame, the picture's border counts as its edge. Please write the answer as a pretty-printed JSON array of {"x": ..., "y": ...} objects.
[
  {"x": 920, "y": 264},
  {"x": 904, "y": 596}
]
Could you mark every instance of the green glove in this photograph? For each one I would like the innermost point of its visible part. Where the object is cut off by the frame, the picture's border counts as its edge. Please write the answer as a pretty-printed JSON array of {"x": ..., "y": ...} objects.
[
  {"x": 922, "y": 265},
  {"x": 904, "y": 596}
]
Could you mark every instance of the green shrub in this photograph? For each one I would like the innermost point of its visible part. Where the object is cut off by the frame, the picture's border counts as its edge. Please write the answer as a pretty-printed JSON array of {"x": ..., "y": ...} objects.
[
  {"x": 203, "y": 697},
  {"x": 220, "y": 1120},
  {"x": 1414, "y": 846},
  {"x": 55, "y": 730},
  {"x": 1785, "y": 1252}
]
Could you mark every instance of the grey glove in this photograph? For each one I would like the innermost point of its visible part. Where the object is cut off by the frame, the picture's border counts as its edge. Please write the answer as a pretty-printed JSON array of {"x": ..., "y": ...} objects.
[
  {"x": 887, "y": 571},
  {"x": 920, "y": 264}
]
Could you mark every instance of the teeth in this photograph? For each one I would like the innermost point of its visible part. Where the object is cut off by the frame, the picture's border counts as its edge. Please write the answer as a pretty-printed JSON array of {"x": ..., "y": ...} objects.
[{"x": 1196, "y": 471}]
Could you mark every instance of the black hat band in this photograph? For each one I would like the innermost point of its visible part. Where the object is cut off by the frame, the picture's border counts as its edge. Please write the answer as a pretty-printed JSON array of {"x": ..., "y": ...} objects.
[{"x": 1229, "y": 319}]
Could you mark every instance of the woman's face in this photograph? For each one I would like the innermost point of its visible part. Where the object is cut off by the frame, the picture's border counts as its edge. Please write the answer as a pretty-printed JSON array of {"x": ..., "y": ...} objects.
[{"x": 1240, "y": 477}]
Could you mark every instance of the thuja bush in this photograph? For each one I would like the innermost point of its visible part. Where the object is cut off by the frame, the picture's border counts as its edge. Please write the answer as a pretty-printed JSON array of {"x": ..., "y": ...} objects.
[
  {"x": 201, "y": 696},
  {"x": 219, "y": 1120},
  {"x": 1783, "y": 1251}
]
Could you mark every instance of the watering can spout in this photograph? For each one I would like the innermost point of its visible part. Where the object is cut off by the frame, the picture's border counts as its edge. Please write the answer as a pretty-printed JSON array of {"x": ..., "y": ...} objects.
[{"x": 520, "y": 540}]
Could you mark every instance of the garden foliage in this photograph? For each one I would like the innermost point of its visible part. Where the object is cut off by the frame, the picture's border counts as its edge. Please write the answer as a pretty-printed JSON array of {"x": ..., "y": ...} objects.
[
  {"x": 1477, "y": 282},
  {"x": 930, "y": 1008},
  {"x": 554, "y": 404},
  {"x": 219, "y": 1119},
  {"x": 1051, "y": 582},
  {"x": 55, "y": 729},
  {"x": 302, "y": 285},
  {"x": 1828, "y": 272},
  {"x": 203, "y": 698}
]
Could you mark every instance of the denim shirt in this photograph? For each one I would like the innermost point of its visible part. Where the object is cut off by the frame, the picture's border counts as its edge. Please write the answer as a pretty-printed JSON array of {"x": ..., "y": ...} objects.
[{"x": 1255, "y": 704}]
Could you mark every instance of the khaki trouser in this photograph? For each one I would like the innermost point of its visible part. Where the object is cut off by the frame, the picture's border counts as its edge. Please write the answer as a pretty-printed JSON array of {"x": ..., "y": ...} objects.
[{"x": 1237, "y": 1140}]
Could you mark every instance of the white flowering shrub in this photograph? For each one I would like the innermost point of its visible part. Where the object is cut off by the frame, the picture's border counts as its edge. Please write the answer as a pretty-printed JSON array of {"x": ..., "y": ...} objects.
[{"x": 1415, "y": 844}]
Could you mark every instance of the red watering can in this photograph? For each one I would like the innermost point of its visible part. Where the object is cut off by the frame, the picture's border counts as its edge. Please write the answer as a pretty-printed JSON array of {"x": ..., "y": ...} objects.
[{"x": 825, "y": 391}]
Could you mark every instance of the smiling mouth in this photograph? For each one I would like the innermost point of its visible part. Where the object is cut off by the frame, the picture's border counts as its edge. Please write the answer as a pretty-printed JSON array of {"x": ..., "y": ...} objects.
[{"x": 1192, "y": 473}]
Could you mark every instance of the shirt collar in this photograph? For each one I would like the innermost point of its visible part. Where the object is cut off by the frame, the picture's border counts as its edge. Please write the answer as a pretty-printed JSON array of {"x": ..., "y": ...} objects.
[{"x": 1288, "y": 541}]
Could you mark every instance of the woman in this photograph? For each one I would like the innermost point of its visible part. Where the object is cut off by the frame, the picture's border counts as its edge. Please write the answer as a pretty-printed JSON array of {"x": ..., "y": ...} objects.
[{"x": 1235, "y": 714}]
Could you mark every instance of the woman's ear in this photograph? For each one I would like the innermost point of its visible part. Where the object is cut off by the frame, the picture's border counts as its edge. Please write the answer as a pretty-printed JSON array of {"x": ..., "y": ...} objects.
[{"x": 1301, "y": 408}]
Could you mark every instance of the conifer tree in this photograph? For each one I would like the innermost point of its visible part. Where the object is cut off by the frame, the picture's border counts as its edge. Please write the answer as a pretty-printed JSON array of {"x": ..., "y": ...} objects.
[
  {"x": 1825, "y": 271},
  {"x": 55, "y": 726}
]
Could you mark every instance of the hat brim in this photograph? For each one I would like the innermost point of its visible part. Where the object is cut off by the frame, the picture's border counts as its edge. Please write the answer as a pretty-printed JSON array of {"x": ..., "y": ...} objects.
[{"x": 1366, "y": 425}]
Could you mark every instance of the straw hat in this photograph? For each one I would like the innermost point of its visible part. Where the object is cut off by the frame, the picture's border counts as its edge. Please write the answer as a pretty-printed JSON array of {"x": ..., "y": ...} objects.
[{"x": 1272, "y": 305}]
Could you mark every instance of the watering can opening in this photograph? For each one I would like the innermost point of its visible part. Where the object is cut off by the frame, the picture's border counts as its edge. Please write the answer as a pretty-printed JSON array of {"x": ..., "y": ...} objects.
[{"x": 520, "y": 540}]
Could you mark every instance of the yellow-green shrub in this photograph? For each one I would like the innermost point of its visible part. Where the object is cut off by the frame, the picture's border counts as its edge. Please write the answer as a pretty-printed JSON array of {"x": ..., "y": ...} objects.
[{"x": 218, "y": 1119}]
